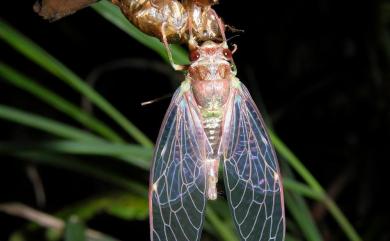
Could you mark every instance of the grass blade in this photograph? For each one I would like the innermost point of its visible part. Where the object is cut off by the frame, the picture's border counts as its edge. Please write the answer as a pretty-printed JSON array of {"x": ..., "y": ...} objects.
[
  {"x": 48, "y": 96},
  {"x": 45, "y": 124},
  {"x": 131, "y": 154},
  {"x": 123, "y": 205},
  {"x": 292, "y": 185},
  {"x": 298, "y": 209},
  {"x": 220, "y": 226},
  {"x": 102, "y": 148}
]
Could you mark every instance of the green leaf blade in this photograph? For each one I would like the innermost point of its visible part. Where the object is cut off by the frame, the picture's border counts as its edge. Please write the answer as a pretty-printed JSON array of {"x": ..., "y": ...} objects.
[
  {"x": 45, "y": 124},
  {"x": 23, "y": 82}
]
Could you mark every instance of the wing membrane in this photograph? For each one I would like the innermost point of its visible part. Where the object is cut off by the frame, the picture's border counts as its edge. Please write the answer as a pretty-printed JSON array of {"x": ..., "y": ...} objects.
[
  {"x": 251, "y": 172},
  {"x": 177, "y": 187}
]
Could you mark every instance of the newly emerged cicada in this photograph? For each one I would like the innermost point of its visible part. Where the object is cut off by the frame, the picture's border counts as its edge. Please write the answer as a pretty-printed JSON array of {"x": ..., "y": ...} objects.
[{"x": 211, "y": 119}]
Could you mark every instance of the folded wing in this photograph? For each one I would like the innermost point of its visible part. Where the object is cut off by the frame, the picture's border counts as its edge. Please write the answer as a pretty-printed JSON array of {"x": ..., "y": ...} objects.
[
  {"x": 252, "y": 180},
  {"x": 177, "y": 185}
]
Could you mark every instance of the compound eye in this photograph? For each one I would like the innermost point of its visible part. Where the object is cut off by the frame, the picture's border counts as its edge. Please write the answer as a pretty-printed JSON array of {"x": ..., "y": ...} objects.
[
  {"x": 227, "y": 53},
  {"x": 194, "y": 55}
]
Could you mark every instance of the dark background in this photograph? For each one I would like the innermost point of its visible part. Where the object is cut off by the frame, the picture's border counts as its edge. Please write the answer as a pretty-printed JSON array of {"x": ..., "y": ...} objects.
[{"x": 319, "y": 69}]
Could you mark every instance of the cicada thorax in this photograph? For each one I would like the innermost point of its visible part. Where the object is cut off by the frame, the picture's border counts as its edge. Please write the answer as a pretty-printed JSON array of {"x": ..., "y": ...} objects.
[{"x": 173, "y": 19}]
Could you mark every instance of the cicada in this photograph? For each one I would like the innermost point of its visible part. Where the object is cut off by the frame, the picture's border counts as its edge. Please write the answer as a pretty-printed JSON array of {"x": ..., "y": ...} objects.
[{"x": 212, "y": 119}]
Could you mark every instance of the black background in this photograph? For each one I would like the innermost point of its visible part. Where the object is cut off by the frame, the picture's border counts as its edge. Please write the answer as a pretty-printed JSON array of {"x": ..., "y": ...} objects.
[{"x": 318, "y": 68}]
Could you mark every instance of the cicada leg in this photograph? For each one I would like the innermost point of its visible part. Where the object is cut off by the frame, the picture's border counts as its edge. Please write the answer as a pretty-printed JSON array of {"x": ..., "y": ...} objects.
[
  {"x": 220, "y": 25},
  {"x": 176, "y": 67}
]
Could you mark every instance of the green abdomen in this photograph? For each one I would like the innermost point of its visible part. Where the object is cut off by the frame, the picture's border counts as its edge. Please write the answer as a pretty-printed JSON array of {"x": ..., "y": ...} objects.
[{"x": 212, "y": 121}]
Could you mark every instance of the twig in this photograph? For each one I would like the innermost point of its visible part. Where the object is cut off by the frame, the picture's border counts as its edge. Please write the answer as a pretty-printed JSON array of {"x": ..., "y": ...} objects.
[{"x": 43, "y": 219}]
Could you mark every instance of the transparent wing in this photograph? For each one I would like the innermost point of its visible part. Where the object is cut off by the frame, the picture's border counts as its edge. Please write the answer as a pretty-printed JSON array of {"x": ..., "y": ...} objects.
[
  {"x": 252, "y": 179},
  {"x": 177, "y": 184}
]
